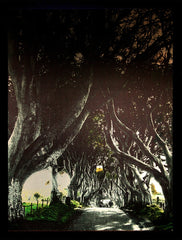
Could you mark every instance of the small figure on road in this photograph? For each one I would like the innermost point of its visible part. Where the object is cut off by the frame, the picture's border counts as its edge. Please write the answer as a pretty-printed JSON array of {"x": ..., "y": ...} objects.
[{"x": 110, "y": 203}]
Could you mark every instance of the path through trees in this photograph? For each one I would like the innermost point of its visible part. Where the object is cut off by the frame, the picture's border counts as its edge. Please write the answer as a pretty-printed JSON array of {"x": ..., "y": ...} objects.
[{"x": 105, "y": 219}]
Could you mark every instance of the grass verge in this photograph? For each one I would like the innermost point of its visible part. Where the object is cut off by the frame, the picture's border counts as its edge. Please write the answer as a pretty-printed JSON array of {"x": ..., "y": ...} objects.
[
  {"x": 53, "y": 217},
  {"x": 153, "y": 213}
]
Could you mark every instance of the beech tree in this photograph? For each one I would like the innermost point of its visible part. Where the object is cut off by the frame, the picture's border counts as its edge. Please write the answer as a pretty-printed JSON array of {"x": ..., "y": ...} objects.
[
  {"x": 55, "y": 194},
  {"x": 81, "y": 158},
  {"x": 46, "y": 121},
  {"x": 75, "y": 166},
  {"x": 131, "y": 186},
  {"x": 153, "y": 164}
]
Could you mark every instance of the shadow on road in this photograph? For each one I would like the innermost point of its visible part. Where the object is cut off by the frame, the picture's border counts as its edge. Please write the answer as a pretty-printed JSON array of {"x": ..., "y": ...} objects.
[{"x": 104, "y": 219}]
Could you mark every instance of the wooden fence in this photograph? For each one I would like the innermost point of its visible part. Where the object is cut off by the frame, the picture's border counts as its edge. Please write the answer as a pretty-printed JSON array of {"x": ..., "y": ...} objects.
[{"x": 31, "y": 206}]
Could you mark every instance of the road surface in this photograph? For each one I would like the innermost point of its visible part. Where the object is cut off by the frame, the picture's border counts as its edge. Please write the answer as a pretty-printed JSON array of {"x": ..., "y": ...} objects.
[{"x": 104, "y": 219}]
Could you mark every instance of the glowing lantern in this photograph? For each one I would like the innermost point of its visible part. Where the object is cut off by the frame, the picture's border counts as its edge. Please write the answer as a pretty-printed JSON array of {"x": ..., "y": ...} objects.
[{"x": 99, "y": 168}]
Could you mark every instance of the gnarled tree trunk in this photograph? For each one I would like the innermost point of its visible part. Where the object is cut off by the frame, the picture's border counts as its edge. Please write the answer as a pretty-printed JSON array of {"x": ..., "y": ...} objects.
[
  {"x": 55, "y": 194},
  {"x": 15, "y": 208},
  {"x": 30, "y": 147}
]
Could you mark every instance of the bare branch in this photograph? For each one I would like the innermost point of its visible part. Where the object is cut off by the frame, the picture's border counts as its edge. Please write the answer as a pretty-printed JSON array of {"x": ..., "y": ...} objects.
[
  {"x": 136, "y": 138},
  {"x": 162, "y": 143},
  {"x": 122, "y": 156}
]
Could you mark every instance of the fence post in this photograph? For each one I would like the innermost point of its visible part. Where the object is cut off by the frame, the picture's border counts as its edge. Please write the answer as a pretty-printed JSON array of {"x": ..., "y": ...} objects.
[
  {"x": 42, "y": 203},
  {"x": 24, "y": 210},
  {"x": 31, "y": 208}
]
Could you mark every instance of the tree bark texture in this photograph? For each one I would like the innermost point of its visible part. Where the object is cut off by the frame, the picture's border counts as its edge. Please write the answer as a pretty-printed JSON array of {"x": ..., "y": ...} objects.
[
  {"x": 15, "y": 207},
  {"x": 55, "y": 194}
]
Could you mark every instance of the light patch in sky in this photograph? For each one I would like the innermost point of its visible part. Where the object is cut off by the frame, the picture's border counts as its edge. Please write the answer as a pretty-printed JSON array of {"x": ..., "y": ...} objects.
[
  {"x": 157, "y": 185},
  {"x": 41, "y": 182},
  {"x": 152, "y": 180}
]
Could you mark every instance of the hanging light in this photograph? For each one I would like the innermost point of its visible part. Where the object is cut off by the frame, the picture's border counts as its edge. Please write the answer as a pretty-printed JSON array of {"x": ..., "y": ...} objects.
[{"x": 99, "y": 168}]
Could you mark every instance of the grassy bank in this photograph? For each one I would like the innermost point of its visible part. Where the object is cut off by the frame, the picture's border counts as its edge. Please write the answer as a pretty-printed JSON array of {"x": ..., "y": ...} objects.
[
  {"x": 153, "y": 213},
  {"x": 34, "y": 207},
  {"x": 53, "y": 217}
]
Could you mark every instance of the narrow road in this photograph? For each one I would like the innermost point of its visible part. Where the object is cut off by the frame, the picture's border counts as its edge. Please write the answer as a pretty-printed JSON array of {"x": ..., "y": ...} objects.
[{"x": 104, "y": 219}]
